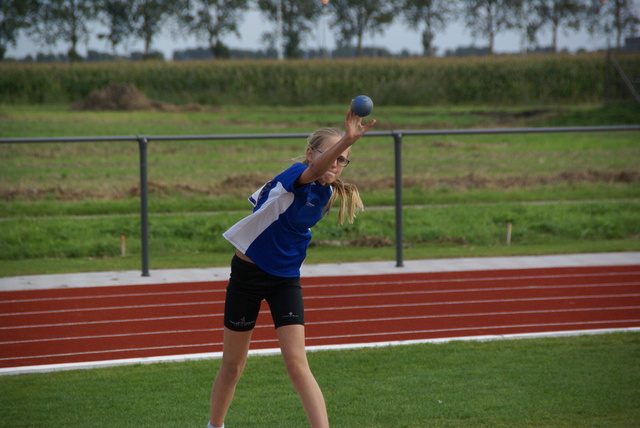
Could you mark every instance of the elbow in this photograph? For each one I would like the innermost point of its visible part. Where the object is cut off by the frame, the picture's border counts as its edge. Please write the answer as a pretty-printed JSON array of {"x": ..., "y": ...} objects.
[{"x": 315, "y": 171}]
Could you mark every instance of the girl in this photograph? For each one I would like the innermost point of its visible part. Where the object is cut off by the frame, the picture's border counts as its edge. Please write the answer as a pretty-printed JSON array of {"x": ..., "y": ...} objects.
[{"x": 271, "y": 245}]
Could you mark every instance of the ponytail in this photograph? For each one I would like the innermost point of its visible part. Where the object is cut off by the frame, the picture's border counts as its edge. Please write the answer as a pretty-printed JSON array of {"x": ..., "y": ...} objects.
[{"x": 349, "y": 200}]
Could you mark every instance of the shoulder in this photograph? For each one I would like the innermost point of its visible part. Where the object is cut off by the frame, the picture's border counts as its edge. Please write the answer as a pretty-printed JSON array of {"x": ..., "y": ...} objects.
[
  {"x": 289, "y": 177},
  {"x": 296, "y": 168}
]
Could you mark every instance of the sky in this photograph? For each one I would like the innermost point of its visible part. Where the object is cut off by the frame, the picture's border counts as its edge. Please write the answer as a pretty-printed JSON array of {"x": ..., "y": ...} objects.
[{"x": 396, "y": 38}]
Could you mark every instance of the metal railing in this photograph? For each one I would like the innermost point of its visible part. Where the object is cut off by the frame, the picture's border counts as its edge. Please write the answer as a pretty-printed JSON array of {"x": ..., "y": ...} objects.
[{"x": 397, "y": 135}]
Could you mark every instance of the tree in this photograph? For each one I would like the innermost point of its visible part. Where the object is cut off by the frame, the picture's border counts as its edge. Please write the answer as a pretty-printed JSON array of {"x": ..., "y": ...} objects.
[
  {"x": 15, "y": 15},
  {"x": 556, "y": 14},
  {"x": 297, "y": 21},
  {"x": 354, "y": 18},
  {"x": 114, "y": 14},
  {"x": 609, "y": 17},
  {"x": 525, "y": 22},
  {"x": 148, "y": 17},
  {"x": 434, "y": 14},
  {"x": 213, "y": 19},
  {"x": 66, "y": 20},
  {"x": 490, "y": 17}
]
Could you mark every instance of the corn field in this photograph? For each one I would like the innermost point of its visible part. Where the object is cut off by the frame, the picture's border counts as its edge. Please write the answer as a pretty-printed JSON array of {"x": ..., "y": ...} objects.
[{"x": 497, "y": 80}]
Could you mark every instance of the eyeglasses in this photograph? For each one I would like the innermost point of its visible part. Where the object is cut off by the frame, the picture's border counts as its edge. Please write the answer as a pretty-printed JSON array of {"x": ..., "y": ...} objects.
[{"x": 342, "y": 161}]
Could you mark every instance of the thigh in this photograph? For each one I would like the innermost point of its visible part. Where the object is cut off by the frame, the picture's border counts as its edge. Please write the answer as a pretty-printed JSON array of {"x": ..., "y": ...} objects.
[
  {"x": 286, "y": 304},
  {"x": 236, "y": 348},
  {"x": 291, "y": 339},
  {"x": 245, "y": 293},
  {"x": 241, "y": 311}
]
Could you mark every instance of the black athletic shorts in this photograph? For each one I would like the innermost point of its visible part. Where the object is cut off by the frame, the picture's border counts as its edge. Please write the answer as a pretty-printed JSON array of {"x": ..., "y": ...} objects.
[{"x": 249, "y": 286}]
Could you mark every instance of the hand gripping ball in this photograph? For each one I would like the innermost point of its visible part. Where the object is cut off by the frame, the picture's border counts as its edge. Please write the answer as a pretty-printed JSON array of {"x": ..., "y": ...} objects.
[{"x": 362, "y": 105}]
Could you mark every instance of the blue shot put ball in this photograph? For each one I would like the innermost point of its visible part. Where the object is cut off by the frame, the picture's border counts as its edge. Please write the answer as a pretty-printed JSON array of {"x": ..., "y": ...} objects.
[{"x": 362, "y": 105}]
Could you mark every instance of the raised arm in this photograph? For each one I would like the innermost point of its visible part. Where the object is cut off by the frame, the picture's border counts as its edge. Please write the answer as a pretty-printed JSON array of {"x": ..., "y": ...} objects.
[{"x": 321, "y": 163}]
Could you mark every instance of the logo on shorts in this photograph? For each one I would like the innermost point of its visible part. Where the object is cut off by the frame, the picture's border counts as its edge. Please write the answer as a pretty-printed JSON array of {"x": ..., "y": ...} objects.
[
  {"x": 290, "y": 315},
  {"x": 242, "y": 323}
]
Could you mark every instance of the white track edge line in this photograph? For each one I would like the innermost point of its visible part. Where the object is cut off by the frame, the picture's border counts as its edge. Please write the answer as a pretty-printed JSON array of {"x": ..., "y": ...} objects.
[{"x": 46, "y": 368}]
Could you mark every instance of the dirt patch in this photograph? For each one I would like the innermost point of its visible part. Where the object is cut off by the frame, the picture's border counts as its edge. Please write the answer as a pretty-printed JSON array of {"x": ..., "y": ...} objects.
[
  {"x": 245, "y": 184},
  {"x": 505, "y": 114},
  {"x": 244, "y": 181},
  {"x": 35, "y": 193},
  {"x": 124, "y": 97},
  {"x": 446, "y": 145},
  {"x": 476, "y": 181},
  {"x": 240, "y": 183}
]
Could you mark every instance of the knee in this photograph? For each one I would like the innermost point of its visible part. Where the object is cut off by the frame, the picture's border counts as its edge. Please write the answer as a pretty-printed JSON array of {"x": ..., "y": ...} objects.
[
  {"x": 297, "y": 370},
  {"x": 230, "y": 372}
]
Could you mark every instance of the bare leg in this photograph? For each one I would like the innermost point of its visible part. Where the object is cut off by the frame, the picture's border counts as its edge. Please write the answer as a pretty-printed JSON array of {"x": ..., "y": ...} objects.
[
  {"x": 291, "y": 339},
  {"x": 234, "y": 358}
]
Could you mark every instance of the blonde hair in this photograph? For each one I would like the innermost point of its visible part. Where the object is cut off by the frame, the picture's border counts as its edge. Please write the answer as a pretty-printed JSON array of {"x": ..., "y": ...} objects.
[{"x": 350, "y": 201}]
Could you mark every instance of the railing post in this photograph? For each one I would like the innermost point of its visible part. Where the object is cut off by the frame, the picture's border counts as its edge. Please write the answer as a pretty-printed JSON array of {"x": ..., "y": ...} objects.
[
  {"x": 397, "y": 139},
  {"x": 144, "y": 205}
]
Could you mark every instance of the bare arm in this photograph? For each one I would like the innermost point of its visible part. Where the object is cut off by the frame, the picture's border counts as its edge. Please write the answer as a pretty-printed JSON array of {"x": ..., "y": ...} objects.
[{"x": 354, "y": 129}]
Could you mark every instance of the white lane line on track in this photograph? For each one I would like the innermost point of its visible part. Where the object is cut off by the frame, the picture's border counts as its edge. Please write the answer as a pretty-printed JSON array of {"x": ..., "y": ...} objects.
[
  {"x": 340, "y": 296},
  {"x": 464, "y": 302},
  {"x": 468, "y": 279},
  {"x": 477, "y": 314},
  {"x": 318, "y": 323},
  {"x": 65, "y": 324},
  {"x": 110, "y": 336},
  {"x": 178, "y": 358},
  {"x": 395, "y": 333},
  {"x": 111, "y": 351},
  {"x": 112, "y": 308},
  {"x": 333, "y": 308},
  {"x": 347, "y": 336},
  {"x": 308, "y": 286},
  {"x": 114, "y": 296},
  {"x": 478, "y": 290}
]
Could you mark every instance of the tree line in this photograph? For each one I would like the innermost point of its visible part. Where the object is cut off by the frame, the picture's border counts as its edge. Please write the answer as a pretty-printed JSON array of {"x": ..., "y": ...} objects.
[{"x": 74, "y": 21}]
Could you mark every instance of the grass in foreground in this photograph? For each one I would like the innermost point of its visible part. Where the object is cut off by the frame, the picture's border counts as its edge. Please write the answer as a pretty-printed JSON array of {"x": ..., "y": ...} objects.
[{"x": 586, "y": 381}]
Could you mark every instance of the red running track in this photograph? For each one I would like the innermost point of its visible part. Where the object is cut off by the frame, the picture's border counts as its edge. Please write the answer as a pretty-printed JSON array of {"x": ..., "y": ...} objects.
[{"x": 72, "y": 325}]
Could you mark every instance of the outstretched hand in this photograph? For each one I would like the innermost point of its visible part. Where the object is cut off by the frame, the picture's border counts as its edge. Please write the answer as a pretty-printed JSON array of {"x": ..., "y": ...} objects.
[{"x": 354, "y": 129}]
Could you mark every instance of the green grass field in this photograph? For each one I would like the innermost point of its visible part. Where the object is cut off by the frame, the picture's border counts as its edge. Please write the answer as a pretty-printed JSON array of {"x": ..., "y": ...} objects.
[
  {"x": 583, "y": 381},
  {"x": 65, "y": 206}
]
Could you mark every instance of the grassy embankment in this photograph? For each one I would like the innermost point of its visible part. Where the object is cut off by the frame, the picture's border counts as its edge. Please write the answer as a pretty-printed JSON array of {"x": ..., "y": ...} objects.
[{"x": 65, "y": 206}]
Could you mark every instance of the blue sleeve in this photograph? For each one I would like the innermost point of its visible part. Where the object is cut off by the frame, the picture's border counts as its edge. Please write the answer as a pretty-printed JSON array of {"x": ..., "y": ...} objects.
[{"x": 289, "y": 176}]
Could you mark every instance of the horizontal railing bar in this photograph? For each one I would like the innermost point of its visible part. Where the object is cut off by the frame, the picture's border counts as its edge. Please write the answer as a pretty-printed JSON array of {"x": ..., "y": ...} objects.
[
  {"x": 67, "y": 139},
  {"x": 226, "y": 137},
  {"x": 524, "y": 130},
  {"x": 304, "y": 135}
]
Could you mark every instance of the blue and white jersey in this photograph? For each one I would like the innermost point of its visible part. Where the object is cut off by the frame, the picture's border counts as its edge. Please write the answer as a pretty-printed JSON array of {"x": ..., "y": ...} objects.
[{"x": 276, "y": 235}]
